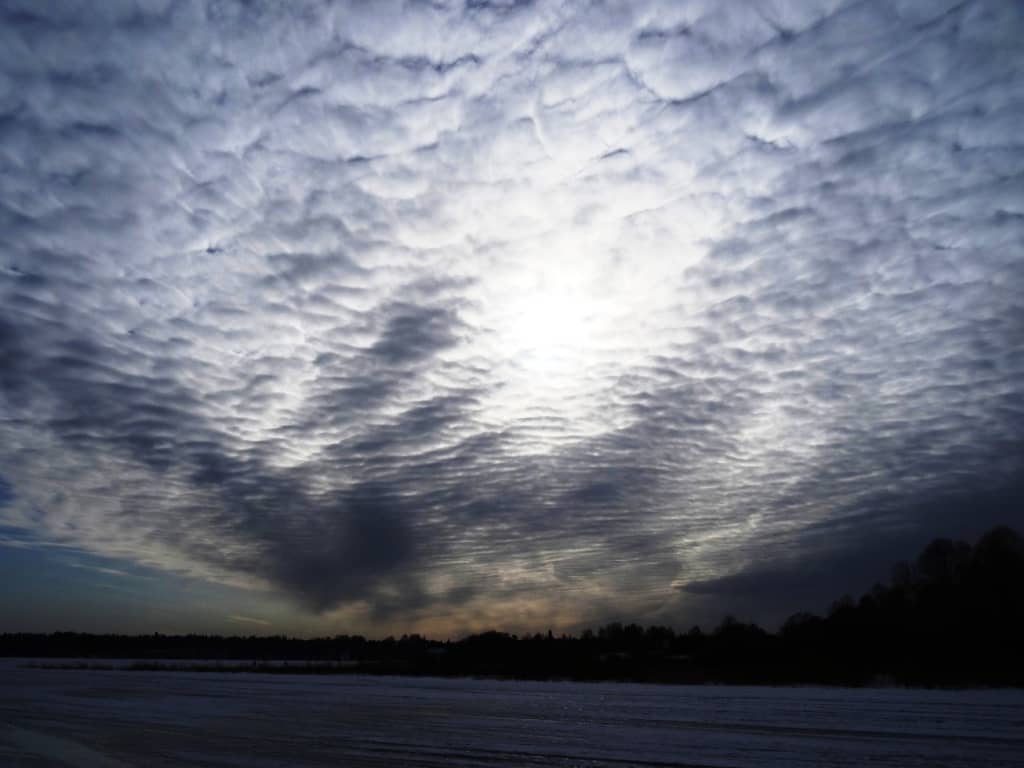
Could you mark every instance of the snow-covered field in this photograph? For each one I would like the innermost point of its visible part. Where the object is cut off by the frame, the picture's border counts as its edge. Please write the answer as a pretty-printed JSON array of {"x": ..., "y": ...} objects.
[{"x": 119, "y": 718}]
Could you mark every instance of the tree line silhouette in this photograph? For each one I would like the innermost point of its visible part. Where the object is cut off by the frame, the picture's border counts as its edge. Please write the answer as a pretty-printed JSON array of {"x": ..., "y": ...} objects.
[{"x": 952, "y": 617}]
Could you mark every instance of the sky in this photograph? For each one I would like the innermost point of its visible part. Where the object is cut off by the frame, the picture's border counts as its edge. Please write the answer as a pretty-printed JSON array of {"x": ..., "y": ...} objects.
[{"x": 385, "y": 317}]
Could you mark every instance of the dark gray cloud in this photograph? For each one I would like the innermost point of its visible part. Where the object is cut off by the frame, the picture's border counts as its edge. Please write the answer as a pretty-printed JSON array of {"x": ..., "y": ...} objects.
[
  {"x": 414, "y": 333},
  {"x": 451, "y": 314}
]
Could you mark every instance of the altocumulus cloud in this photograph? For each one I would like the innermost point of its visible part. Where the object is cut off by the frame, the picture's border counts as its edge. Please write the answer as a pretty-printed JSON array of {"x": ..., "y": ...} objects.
[{"x": 510, "y": 312}]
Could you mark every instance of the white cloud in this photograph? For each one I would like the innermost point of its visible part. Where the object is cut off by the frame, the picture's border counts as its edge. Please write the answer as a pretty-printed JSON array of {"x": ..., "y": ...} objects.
[{"x": 365, "y": 303}]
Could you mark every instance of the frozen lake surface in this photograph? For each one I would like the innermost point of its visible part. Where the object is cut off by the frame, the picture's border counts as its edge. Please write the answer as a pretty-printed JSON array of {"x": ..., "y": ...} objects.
[{"x": 119, "y": 718}]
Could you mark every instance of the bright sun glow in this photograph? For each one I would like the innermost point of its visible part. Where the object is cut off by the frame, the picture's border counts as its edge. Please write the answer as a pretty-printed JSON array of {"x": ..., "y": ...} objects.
[
  {"x": 549, "y": 329},
  {"x": 551, "y": 322},
  {"x": 563, "y": 310}
]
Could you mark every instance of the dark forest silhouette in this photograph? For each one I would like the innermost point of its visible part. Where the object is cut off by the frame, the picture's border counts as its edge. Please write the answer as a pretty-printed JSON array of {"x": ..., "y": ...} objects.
[{"x": 953, "y": 617}]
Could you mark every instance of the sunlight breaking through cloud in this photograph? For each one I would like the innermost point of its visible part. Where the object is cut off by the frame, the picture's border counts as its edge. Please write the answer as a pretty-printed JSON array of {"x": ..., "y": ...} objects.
[{"x": 444, "y": 309}]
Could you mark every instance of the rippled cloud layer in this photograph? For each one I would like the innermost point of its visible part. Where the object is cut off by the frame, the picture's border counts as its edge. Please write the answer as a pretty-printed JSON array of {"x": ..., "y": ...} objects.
[{"x": 510, "y": 313}]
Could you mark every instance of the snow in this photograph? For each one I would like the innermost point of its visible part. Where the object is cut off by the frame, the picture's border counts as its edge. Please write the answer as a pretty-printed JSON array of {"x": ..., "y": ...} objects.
[{"x": 121, "y": 718}]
